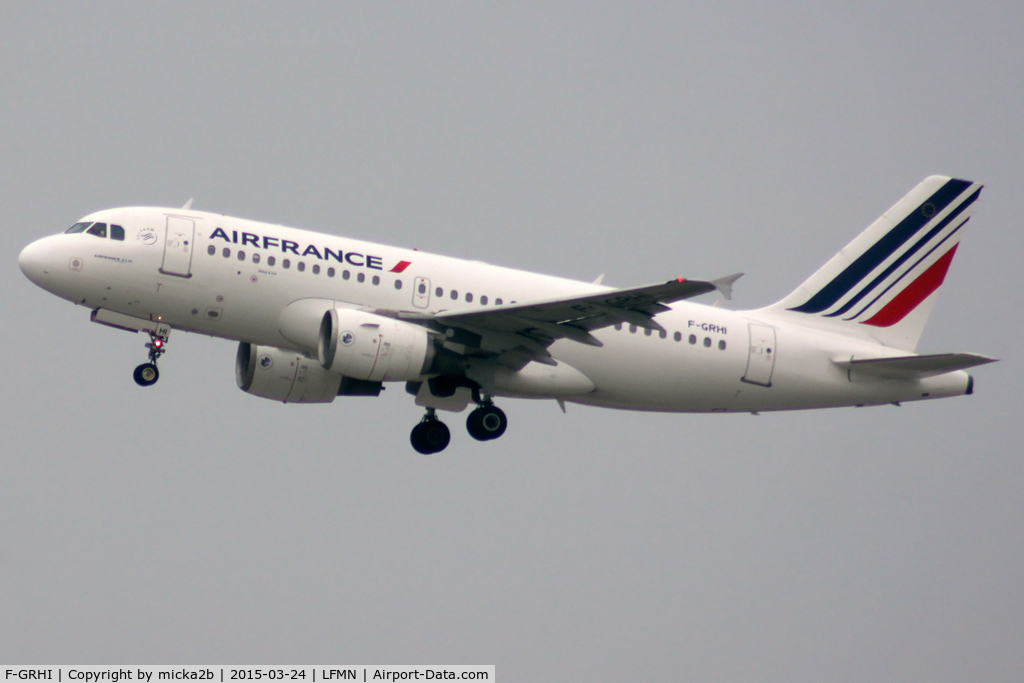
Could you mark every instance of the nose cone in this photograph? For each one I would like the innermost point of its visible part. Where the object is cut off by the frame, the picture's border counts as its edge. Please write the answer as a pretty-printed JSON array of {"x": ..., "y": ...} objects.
[{"x": 36, "y": 261}]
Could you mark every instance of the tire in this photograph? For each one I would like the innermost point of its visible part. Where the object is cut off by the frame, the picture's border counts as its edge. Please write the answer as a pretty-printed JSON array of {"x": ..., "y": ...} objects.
[
  {"x": 146, "y": 375},
  {"x": 486, "y": 423},
  {"x": 430, "y": 437}
]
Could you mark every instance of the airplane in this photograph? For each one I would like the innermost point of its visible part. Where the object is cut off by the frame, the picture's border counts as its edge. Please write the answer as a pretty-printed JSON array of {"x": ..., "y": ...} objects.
[{"x": 317, "y": 316}]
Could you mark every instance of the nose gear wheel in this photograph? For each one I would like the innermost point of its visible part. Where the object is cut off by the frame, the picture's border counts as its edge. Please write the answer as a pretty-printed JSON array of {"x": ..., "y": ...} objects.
[{"x": 147, "y": 374}]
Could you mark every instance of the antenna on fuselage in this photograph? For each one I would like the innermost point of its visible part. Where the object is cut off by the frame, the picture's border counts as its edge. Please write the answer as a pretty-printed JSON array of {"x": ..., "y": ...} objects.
[{"x": 188, "y": 204}]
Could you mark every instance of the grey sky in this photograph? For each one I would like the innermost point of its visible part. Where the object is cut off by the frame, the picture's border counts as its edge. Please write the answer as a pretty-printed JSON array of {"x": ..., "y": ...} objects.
[{"x": 193, "y": 523}]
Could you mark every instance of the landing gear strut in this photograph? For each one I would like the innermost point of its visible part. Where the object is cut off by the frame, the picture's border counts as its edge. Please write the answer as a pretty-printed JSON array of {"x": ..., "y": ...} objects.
[
  {"x": 486, "y": 422},
  {"x": 147, "y": 374},
  {"x": 430, "y": 435}
]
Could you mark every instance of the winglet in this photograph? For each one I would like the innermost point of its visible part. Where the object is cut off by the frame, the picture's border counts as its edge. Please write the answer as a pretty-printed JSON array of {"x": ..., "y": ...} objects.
[
  {"x": 724, "y": 284},
  {"x": 188, "y": 204}
]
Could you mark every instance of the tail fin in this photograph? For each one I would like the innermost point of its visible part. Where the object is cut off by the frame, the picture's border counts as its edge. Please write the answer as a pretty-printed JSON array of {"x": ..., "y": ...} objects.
[{"x": 886, "y": 278}]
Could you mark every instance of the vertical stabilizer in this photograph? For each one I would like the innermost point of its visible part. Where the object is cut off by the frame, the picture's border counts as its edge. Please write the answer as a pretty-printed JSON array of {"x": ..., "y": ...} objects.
[{"x": 885, "y": 280}]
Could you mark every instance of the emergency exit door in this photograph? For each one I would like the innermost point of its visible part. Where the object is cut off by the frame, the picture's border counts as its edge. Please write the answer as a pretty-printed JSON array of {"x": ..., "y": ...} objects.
[
  {"x": 761, "y": 355},
  {"x": 178, "y": 242},
  {"x": 421, "y": 292}
]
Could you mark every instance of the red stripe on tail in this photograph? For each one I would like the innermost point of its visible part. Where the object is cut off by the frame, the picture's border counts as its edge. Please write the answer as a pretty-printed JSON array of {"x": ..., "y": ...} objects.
[{"x": 916, "y": 292}]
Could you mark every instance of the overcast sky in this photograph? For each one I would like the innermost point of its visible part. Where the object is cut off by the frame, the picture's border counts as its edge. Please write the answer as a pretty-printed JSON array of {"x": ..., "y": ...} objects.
[{"x": 192, "y": 523}]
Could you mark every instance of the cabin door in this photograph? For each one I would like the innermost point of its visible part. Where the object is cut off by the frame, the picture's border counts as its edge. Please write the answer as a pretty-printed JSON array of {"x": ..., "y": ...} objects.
[
  {"x": 761, "y": 356},
  {"x": 178, "y": 242}
]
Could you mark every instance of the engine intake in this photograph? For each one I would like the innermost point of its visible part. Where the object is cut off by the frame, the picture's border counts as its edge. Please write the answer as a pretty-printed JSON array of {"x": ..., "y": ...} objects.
[{"x": 366, "y": 346}]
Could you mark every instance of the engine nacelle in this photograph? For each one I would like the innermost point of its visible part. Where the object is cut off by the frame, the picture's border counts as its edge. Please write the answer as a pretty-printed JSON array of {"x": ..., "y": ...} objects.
[
  {"x": 371, "y": 347},
  {"x": 285, "y": 376}
]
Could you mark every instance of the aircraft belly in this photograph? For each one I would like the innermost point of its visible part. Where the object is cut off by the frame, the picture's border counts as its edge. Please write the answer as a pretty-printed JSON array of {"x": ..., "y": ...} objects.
[{"x": 638, "y": 372}]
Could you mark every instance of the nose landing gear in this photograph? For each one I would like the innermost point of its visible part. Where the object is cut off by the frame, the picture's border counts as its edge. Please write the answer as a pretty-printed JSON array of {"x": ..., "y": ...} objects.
[
  {"x": 147, "y": 374},
  {"x": 430, "y": 435}
]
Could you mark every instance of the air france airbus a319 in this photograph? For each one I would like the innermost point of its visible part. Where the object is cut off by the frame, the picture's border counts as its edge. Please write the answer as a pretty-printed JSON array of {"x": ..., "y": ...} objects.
[{"x": 319, "y": 316}]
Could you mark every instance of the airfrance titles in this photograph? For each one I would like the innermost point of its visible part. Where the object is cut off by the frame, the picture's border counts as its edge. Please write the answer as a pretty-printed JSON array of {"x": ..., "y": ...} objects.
[{"x": 289, "y": 247}]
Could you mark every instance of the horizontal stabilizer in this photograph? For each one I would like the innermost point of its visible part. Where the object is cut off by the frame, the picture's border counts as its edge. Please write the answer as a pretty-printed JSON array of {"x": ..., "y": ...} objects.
[{"x": 914, "y": 367}]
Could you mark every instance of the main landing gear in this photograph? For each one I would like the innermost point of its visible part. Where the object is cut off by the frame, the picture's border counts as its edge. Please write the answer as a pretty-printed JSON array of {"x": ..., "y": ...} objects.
[
  {"x": 147, "y": 374},
  {"x": 430, "y": 436},
  {"x": 486, "y": 422}
]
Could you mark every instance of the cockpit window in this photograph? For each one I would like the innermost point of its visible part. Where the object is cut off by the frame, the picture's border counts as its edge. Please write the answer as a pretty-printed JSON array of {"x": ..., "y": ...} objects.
[
  {"x": 77, "y": 227},
  {"x": 98, "y": 229},
  {"x": 116, "y": 232}
]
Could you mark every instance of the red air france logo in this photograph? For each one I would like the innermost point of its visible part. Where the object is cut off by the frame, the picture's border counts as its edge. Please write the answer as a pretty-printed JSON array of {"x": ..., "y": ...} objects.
[{"x": 402, "y": 265}]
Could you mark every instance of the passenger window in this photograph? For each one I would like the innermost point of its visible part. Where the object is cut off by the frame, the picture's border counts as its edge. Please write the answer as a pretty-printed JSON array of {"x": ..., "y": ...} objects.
[
  {"x": 98, "y": 229},
  {"x": 286, "y": 263},
  {"x": 647, "y": 331},
  {"x": 721, "y": 345},
  {"x": 117, "y": 233},
  {"x": 618, "y": 327},
  {"x": 376, "y": 280},
  {"x": 398, "y": 284},
  {"x": 632, "y": 328},
  {"x": 271, "y": 260},
  {"x": 693, "y": 339},
  {"x": 77, "y": 227},
  {"x": 302, "y": 266},
  {"x": 483, "y": 300},
  {"x": 211, "y": 250},
  {"x": 330, "y": 272},
  {"x": 361, "y": 277},
  {"x": 226, "y": 252},
  {"x": 678, "y": 336},
  {"x": 316, "y": 269},
  {"x": 241, "y": 255},
  {"x": 469, "y": 298},
  {"x": 498, "y": 302},
  {"x": 662, "y": 334},
  {"x": 454, "y": 295},
  {"x": 255, "y": 258},
  {"x": 707, "y": 342},
  {"x": 422, "y": 288},
  {"x": 345, "y": 275},
  {"x": 438, "y": 292}
]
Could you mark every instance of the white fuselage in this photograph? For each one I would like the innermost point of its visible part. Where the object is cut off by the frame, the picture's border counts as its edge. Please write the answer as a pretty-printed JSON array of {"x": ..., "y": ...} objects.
[{"x": 708, "y": 360}]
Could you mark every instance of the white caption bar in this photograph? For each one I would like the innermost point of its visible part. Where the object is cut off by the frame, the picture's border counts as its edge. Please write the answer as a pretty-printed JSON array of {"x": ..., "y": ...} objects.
[{"x": 247, "y": 674}]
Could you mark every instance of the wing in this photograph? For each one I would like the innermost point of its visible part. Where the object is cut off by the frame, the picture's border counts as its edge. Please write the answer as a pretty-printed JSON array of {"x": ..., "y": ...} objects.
[{"x": 520, "y": 333}]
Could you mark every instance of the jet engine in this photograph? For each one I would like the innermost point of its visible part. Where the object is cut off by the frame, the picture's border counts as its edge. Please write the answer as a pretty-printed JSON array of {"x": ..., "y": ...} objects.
[
  {"x": 366, "y": 346},
  {"x": 285, "y": 376}
]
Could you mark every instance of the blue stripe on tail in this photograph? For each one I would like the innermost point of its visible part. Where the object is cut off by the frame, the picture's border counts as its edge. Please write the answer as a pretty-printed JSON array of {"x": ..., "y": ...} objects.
[
  {"x": 883, "y": 248},
  {"x": 906, "y": 255}
]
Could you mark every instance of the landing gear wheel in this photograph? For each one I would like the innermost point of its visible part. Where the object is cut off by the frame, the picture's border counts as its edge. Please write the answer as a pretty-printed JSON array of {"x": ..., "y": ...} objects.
[
  {"x": 486, "y": 423},
  {"x": 146, "y": 375},
  {"x": 430, "y": 436}
]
